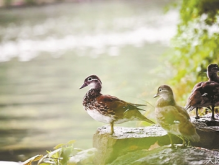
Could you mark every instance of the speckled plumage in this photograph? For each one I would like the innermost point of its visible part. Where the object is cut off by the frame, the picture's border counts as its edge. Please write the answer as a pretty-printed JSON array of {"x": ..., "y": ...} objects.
[{"x": 109, "y": 109}]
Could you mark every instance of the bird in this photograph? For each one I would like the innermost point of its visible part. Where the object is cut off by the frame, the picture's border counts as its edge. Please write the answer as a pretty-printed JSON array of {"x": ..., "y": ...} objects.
[
  {"x": 109, "y": 109},
  {"x": 205, "y": 95},
  {"x": 212, "y": 72},
  {"x": 196, "y": 98},
  {"x": 174, "y": 118}
]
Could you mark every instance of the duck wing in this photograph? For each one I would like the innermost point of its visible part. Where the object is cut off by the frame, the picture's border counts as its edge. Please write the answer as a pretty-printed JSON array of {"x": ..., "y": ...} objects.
[{"x": 116, "y": 106}]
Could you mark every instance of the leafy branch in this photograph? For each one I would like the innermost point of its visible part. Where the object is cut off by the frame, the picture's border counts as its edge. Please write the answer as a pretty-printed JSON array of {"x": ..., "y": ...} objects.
[
  {"x": 60, "y": 156},
  {"x": 195, "y": 45}
]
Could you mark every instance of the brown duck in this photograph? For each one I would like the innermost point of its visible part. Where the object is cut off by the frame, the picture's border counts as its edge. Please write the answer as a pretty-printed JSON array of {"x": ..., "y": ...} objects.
[
  {"x": 205, "y": 95},
  {"x": 109, "y": 109},
  {"x": 199, "y": 98},
  {"x": 173, "y": 118}
]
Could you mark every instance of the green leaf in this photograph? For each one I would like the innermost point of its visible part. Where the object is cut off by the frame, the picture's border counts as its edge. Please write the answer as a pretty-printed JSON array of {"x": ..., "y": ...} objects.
[
  {"x": 32, "y": 159},
  {"x": 194, "y": 46},
  {"x": 59, "y": 146},
  {"x": 71, "y": 142},
  {"x": 66, "y": 152}
]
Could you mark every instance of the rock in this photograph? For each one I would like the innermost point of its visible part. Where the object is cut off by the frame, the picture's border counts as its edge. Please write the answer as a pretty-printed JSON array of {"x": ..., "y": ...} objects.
[
  {"x": 127, "y": 139},
  {"x": 208, "y": 130},
  {"x": 205, "y": 121},
  {"x": 85, "y": 157},
  {"x": 169, "y": 156}
]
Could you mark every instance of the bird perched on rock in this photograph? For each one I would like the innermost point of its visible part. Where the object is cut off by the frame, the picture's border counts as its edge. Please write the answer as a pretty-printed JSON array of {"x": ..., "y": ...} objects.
[
  {"x": 173, "y": 118},
  {"x": 109, "y": 109},
  {"x": 197, "y": 99},
  {"x": 205, "y": 95}
]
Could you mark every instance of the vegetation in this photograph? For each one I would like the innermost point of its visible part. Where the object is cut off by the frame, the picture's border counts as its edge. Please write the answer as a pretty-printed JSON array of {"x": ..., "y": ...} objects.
[
  {"x": 60, "y": 156},
  {"x": 195, "y": 45}
]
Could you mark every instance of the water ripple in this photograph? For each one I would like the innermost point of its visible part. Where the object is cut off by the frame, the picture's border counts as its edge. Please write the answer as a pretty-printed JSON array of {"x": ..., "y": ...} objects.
[{"x": 31, "y": 43}]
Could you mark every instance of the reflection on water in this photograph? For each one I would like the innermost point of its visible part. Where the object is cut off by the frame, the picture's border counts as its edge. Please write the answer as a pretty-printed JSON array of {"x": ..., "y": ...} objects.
[{"x": 40, "y": 103}]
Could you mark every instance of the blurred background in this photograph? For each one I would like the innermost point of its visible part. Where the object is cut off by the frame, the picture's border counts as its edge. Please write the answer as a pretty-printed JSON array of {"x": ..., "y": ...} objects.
[{"x": 48, "y": 48}]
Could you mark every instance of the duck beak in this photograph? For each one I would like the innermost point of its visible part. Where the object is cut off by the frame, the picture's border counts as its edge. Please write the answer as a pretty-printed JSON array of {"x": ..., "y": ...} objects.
[
  {"x": 156, "y": 95},
  {"x": 84, "y": 85}
]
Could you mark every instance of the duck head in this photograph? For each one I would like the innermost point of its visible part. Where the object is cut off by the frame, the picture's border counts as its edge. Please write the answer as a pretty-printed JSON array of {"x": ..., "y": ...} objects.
[
  {"x": 165, "y": 92},
  {"x": 212, "y": 72},
  {"x": 213, "y": 68},
  {"x": 93, "y": 82}
]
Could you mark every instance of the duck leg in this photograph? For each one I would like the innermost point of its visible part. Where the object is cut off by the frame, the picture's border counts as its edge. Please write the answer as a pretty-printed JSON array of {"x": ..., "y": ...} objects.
[
  {"x": 196, "y": 112},
  {"x": 183, "y": 145},
  {"x": 171, "y": 141},
  {"x": 212, "y": 116},
  {"x": 112, "y": 128}
]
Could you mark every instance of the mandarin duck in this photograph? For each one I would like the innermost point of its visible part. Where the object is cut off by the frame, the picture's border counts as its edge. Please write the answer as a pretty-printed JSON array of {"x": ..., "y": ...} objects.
[
  {"x": 174, "y": 118},
  {"x": 197, "y": 98},
  {"x": 109, "y": 109}
]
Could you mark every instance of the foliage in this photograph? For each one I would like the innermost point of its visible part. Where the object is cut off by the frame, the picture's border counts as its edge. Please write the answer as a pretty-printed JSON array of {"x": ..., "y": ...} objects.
[
  {"x": 32, "y": 159},
  {"x": 195, "y": 45},
  {"x": 60, "y": 156}
]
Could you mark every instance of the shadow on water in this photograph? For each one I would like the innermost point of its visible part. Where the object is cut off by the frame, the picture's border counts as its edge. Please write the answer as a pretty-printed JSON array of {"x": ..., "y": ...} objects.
[{"x": 47, "y": 52}]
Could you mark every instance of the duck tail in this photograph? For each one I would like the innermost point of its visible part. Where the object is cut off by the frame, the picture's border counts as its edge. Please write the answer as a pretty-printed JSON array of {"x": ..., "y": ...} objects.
[
  {"x": 139, "y": 105},
  {"x": 140, "y": 109},
  {"x": 147, "y": 120},
  {"x": 143, "y": 118}
]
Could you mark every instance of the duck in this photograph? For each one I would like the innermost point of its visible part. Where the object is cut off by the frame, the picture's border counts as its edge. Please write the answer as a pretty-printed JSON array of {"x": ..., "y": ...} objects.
[
  {"x": 197, "y": 98},
  {"x": 174, "y": 118},
  {"x": 109, "y": 109},
  {"x": 205, "y": 95}
]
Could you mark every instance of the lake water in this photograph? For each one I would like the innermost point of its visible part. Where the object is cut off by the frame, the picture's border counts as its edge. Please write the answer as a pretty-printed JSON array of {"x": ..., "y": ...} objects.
[{"x": 47, "y": 52}]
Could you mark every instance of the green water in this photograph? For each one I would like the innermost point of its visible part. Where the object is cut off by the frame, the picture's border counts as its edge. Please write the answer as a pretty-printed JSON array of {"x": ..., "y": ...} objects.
[{"x": 40, "y": 100}]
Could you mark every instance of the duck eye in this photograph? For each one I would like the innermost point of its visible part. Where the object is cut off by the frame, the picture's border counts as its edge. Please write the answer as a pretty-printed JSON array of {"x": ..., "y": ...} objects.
[
  {"x": 160, "y": 90},
  {"x": 89, "y": 79}
]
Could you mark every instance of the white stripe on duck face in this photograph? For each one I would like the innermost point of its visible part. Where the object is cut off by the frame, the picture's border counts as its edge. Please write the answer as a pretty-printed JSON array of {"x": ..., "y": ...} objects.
[{"x": 92, "y": 85}]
